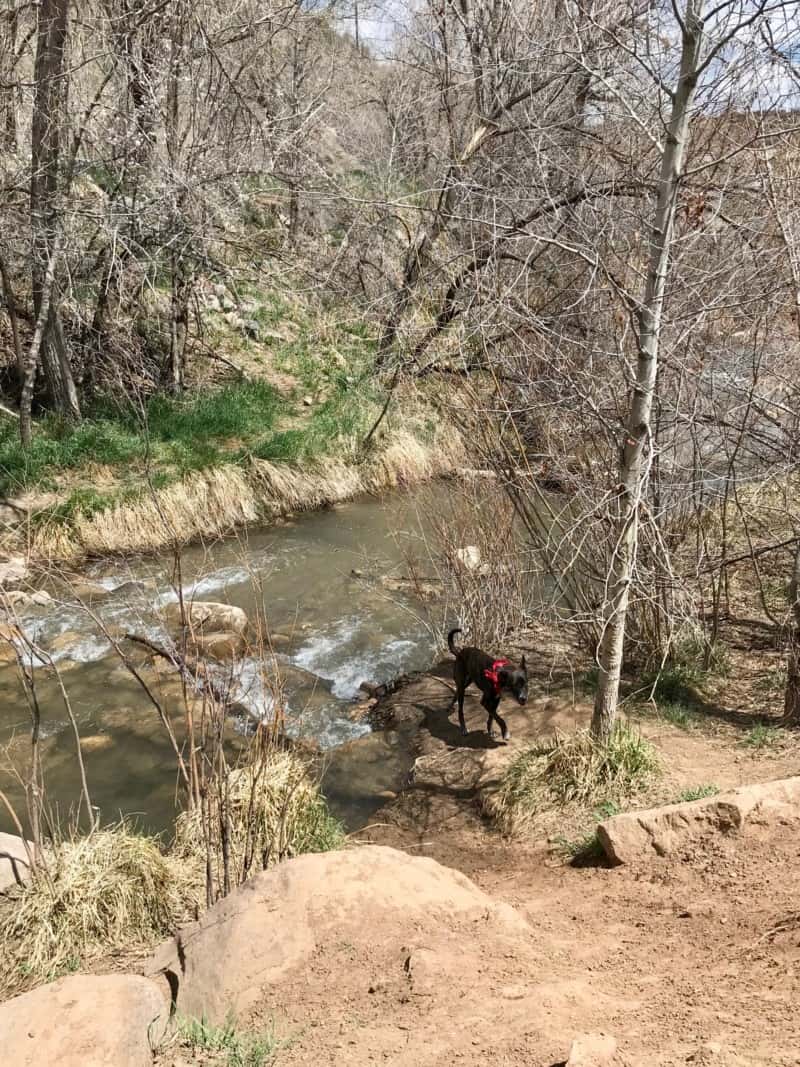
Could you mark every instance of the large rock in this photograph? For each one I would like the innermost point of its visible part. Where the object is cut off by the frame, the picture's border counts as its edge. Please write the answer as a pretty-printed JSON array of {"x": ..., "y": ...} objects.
[
  {"x": 222, "y": 646},
  {"x": 592, "y": 1050},
  {"x": 205, "y": 616},
  {"x": 245, "y": 948},
  {"x": 84, "y": 1021},
  {"x": 637, "y": 835},
  {"x": 14, "y": 863}
]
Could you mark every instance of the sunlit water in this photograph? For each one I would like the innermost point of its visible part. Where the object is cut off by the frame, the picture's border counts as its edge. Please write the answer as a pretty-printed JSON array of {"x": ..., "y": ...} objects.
[{"x": 332, "y": 631}]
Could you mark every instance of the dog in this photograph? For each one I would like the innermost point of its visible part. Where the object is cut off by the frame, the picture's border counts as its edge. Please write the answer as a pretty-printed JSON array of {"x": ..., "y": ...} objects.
[{"x": 491, "y": 676}]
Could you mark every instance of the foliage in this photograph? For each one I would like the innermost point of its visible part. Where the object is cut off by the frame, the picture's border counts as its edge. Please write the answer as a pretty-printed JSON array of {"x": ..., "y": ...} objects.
[
  {"x": 698, "y": 792},
  {"x": 113, "y": 888},
  {"x": 576, "y": 769},
  {"x": 238, "y": 1048},
  {"x": 275, "y": 810},
  {"x": 764, "y": 735}
]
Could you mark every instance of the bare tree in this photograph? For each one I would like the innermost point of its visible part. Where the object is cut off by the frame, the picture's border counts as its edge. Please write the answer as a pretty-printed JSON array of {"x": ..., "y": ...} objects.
[{"x": 48, "y": 124}]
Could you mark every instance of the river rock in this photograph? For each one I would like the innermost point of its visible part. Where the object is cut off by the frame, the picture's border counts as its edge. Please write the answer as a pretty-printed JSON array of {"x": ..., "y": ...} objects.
[
  {"x": 84, "y": 1021},
  {"x": 274, "y": 925},
  {"x": 127, "y": 589},
  {"x": 14, "y": 862},
  {"x": 210, "y": 617},
  {"x": 9, "y": 635},
  {"x": 221, "y": 646},
  {"x": 88, "y": 592},
  {"x": 469, "y": 557},
  {"x": 19, "y": 600},
  {"x": 642, "y": 835},
  {"x": 65, "y": 640}
]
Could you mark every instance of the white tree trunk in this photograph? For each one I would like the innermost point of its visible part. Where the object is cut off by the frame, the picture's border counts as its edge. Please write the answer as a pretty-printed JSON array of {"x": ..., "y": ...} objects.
[{"x": 636, "y": 447}]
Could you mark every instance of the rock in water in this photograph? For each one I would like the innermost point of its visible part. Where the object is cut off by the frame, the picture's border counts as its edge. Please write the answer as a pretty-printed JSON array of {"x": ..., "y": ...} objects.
[{"x": 206, "y": 616}]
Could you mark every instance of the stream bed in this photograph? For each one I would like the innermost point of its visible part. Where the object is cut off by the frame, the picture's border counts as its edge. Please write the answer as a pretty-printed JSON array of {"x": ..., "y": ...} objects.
[{"x": 318, "y": 581}]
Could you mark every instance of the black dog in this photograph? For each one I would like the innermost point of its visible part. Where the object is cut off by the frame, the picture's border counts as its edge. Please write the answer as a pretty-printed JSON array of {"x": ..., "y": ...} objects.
[{"x": 491, "y": 676}]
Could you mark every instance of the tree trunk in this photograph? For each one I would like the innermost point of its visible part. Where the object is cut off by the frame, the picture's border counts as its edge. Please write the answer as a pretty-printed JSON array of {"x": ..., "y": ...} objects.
[
  {"x": 791, "y": 705},
  {"x": 9, "y": 93},
  {"x": 634, "y": 460},
  {"x": 49, "y": 110}
]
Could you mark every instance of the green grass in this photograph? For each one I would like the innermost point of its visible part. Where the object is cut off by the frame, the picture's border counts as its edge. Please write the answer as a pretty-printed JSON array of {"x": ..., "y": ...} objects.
[
  {"x": 180, "y": 434},
  {"x": 680, "y": 715},
  {"x": 576, "y": 769},
  {"x": 236, "y": 1048},
  {"x": 166, "y": 437},
  {"x": 698, "y": 792},
  {"x": 586, "y": 848},
  {"x": 763, "y": 736}
]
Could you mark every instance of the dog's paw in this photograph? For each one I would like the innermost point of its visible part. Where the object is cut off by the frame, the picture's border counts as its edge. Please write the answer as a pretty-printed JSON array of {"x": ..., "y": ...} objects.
[
  {"x": 463, "y": 731},
  {"x": 507, "y": 735}
]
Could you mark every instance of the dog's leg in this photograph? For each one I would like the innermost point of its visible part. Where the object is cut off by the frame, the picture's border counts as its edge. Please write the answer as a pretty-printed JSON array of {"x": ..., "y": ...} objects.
[
  {"x": 460, "y": 676},
  {"x": 492, "y": 703}
]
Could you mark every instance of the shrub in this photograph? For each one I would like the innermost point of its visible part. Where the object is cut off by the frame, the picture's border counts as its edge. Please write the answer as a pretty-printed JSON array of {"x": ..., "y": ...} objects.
[
  {"x": 111, "y": 889},
  {"x": 275, "y": 810},
  {"x": 576, "y": 769}
]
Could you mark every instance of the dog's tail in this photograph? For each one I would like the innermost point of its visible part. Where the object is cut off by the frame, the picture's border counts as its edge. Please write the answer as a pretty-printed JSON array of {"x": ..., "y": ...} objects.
[{"x": 450, "y": 637}]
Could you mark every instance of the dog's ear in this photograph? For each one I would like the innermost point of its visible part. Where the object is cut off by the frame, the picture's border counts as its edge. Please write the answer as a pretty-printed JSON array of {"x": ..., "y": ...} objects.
[{"x": 522, "y": 666}]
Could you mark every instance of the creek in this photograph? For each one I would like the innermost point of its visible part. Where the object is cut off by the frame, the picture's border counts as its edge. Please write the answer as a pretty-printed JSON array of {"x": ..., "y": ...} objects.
[{"x": 331, "y": 629}]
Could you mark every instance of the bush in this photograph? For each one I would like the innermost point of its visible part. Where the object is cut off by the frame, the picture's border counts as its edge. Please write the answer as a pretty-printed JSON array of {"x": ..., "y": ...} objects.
[
  {"x": 576, "y": 769},
  {"x": 111, "y": 889},
  {"x": 275, "y": 811}
]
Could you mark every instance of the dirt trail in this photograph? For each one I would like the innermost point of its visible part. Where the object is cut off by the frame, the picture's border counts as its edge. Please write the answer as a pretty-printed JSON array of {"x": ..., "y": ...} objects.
[
  {"x": 689, "y": 961},
  {"x": 679, "y": 959}
]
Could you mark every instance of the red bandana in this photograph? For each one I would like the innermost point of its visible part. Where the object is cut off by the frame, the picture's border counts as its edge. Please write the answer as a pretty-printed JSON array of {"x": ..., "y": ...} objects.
[{"x": 491, "y": 674}]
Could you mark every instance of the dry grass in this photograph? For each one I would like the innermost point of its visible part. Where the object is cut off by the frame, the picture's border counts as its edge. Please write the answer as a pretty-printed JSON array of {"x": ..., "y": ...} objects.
[
  {"x": 214, "y": 503},
  {"x": 202, "y": 505},
  {"x": 574, "y": 771},
  {"x": 112, "y": 889},
  {"x": 275, "y": 811}
]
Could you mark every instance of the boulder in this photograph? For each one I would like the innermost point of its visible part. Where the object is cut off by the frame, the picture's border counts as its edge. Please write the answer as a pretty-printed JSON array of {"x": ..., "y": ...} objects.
[
  {"x": 84, "y": 1021},
  {"x": 592, "y": 1050},
  {"x": 219, "y": 645},
  {"x": 14, "y": 864},
  {"x": 87, "y": 592},
  {"x": 469, "y": 557},
  {"x": 271, "y": 928},
  {"x": 638, "y": 835},
  {"x": 208, "y": 617}
]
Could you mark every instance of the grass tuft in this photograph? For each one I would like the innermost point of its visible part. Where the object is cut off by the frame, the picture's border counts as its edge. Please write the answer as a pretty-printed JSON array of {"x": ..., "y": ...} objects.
[
  {"x": 685, "y": 718},
  {"x": 110, "y": 889},
  {"x": 575, "y": 769},
  {"x": 698, "y": 792},
  {"x": 763, "y": 735},
  {"x": 276, "y": 811},
  {"x": 236, "y": 1048}
]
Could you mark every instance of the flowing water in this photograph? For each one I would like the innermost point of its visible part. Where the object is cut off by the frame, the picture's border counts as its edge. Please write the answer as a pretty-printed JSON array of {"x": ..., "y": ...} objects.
[{"x": 331, "y": 631}]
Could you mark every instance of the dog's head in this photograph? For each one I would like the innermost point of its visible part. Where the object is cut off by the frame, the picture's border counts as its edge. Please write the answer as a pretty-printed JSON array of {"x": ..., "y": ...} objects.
[{"x": 515, "y": 679}]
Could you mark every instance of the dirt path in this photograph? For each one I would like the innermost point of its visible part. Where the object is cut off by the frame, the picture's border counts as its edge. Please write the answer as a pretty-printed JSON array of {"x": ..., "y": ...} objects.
[{"x": 677, "y": 959}]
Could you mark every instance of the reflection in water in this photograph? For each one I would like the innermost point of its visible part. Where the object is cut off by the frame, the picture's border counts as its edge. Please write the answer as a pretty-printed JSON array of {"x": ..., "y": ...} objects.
[{"x": 331, "y": 633}]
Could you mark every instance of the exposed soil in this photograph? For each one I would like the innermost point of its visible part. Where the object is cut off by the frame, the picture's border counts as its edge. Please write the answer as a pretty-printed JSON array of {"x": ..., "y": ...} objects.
[{"x": 688, "y": 960}]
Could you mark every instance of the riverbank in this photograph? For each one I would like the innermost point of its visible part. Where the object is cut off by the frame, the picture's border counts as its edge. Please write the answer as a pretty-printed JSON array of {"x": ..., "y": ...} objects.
[{"x": 276, "y": 428}]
